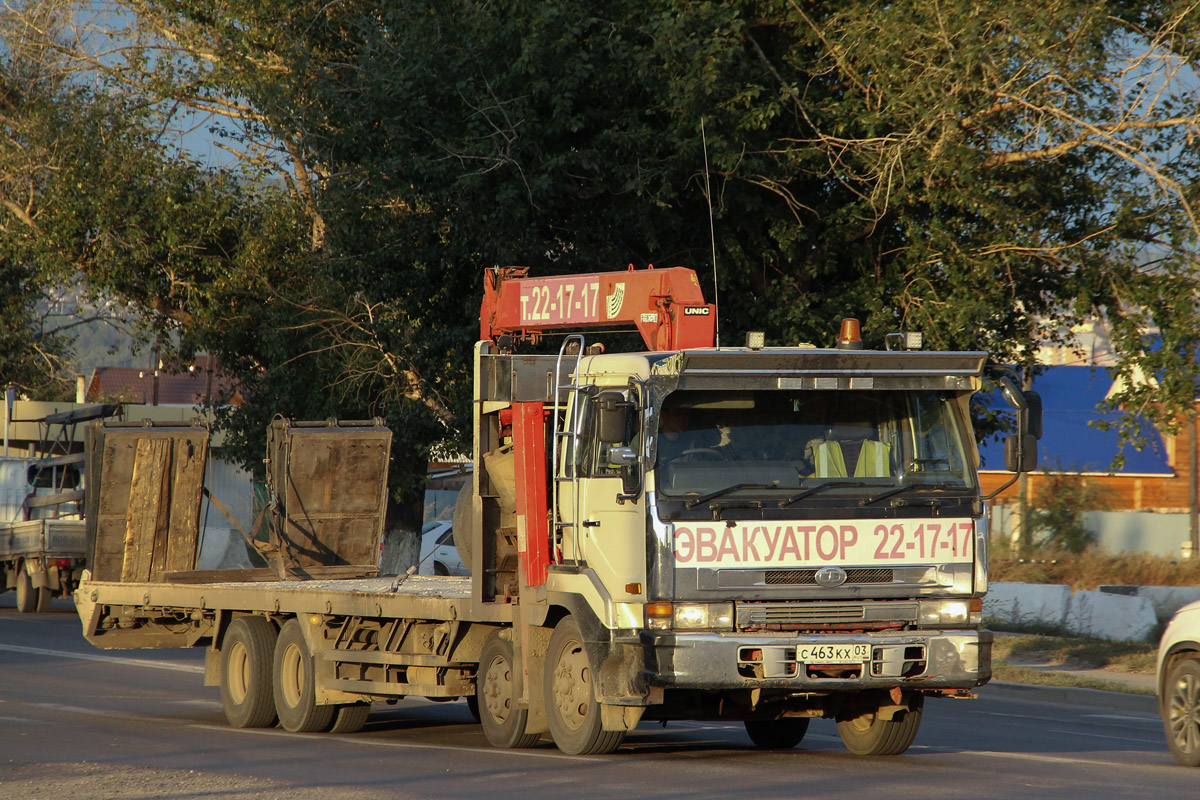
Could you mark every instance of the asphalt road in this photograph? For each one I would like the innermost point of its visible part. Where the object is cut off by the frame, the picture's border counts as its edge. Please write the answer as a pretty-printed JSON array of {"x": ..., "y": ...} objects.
[{"x": 76, "y": 722}]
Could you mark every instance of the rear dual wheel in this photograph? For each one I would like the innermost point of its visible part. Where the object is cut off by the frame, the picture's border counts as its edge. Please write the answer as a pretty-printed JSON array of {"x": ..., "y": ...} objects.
[
  {"x": 268, "y": 675},
  {"x": 294, "y": 684},
  {"x": 30, "y": 598},
  {"x": 247, "y": 653}
]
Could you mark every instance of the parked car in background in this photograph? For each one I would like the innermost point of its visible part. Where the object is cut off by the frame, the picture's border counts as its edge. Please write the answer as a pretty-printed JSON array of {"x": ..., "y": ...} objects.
[
  {"x": 1179, "y": 684},
  {"x": 439, "y": 556}
]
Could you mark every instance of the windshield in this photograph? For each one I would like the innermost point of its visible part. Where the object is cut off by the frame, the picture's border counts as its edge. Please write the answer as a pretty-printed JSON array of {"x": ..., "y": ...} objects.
[{"x": 864, "y": 441}]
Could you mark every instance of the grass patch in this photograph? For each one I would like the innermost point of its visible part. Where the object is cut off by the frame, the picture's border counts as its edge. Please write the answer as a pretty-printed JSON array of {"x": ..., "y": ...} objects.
[
  {"x": 1090, "y": 569},
  {"x": 1003, "y": 671},
  {"x": 1068, "y": 652}
]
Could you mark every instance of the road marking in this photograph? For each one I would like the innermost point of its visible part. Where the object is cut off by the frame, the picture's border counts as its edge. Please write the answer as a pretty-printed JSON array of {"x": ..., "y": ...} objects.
[
  {"x": 508, "y": 753},
  {"x": 1102, "y": 736},
  {"x": 1090, "y": 762},
  {"x": 132, "y": 662},
  {"x": 1151, "y": 721},
  {"x": 99, "y": 712}
]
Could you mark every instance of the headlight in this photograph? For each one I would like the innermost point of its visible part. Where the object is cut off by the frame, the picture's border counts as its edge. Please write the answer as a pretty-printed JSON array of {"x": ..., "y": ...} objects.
[
  {"x": 689, "y": 616},
  {"x": 950, "y": 613}
]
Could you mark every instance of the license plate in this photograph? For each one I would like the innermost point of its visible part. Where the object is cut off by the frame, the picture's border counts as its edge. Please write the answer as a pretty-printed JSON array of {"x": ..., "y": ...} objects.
[{"x": 833, "y": 653}]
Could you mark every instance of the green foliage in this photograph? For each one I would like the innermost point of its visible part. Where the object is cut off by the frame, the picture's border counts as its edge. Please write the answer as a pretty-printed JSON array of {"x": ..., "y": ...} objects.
[
  {"x": 1056, "y": 513},
  {"x": 969, "y": 171}
]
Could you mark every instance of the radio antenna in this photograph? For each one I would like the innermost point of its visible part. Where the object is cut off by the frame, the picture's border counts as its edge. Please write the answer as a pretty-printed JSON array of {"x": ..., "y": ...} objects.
[{"x": 712, "y": 236}]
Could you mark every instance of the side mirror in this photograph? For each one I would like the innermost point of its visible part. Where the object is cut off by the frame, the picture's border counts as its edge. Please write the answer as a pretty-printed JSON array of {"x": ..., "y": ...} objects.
[
  {"x": 613, "y": 424},
  {"x": 1025, "y": 460},
  {"x": 1032, "y": 421}
]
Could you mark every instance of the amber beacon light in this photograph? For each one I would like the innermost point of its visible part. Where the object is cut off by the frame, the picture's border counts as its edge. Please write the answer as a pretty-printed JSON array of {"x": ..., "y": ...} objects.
[{"x": 850, "y": 337}]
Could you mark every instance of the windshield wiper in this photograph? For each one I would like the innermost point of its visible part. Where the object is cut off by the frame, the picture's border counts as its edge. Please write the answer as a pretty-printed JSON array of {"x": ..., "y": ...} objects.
[
  {"x": 704, "y": 498},
  {"x": 933, "y": 501},
  {"x": 820, "y": 487}
]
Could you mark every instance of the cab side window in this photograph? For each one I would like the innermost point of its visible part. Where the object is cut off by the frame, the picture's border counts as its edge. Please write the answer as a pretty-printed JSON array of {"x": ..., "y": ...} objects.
[{"x": 596, "y": 461}]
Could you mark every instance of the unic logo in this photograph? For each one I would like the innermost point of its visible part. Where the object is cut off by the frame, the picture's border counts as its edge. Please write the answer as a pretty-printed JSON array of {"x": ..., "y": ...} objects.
[{"x": 613, "y": 303}]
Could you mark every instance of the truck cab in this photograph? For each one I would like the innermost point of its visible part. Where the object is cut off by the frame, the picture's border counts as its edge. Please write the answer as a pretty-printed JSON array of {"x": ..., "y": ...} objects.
[{"x": 749, "y": 533}]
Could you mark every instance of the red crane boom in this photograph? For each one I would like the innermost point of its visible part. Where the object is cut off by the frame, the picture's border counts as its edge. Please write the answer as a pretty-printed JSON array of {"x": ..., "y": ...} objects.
[{"x": 665, "y": 305}]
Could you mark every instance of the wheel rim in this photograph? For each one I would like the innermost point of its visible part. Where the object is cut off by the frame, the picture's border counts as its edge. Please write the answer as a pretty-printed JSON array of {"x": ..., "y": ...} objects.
[
  {"x": 291, "y": 673},
  {"x": 497, "y": 689},
  {"x": 573, "y": 686},
  {"x": 239, "y": 673},
  {"x": 1185, "y": 713},
  {"x": 862, "y": 724}
]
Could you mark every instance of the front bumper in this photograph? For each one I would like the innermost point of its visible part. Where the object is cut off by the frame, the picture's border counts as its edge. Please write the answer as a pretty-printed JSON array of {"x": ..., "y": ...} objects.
[{"x": 946, "y": 659}]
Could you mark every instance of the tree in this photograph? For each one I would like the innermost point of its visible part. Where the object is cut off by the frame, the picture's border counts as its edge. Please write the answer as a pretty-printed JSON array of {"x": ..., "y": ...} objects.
[{"x": 972, "y": 172}]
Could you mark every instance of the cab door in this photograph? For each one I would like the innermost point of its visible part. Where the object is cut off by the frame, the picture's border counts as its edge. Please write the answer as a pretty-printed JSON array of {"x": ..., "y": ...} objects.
[{"x": 608, "y": 496}]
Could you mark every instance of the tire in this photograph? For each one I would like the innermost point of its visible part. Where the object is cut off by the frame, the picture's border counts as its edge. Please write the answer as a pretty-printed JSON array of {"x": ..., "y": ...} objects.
[
  {"x": 777, "y": 734},
  {"x": 473, "y": 707},
  {"x": 246, "y": 655},
  {"x": 27, "y": 596},
  {"x": 869, "y": 735},
  {"x": 294, "y": 685},
  {"x": 44, "y": 596},
  {"x": 503, "y": 722},
  {"x": 440, "y": 569},
  {"x": 1181, "y": 712},
  {"x": 350, "y": 718},
  {"x": 571, "y": 706}
]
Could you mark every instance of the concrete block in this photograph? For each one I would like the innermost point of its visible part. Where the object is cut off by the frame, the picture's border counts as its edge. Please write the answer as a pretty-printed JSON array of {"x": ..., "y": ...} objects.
[
  {"x": 1165, "y": 599},
  {"x": 1027, "y": 603},
  {"x": 1103, "y": 615}
]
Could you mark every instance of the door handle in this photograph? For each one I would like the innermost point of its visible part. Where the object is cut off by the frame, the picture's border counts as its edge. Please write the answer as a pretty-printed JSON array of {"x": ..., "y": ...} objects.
[{"x": 591, "y": 523}]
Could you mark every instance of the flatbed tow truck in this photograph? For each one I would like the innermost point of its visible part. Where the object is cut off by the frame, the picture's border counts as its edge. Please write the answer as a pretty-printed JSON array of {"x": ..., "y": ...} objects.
[{"x": 764, "y": 534}]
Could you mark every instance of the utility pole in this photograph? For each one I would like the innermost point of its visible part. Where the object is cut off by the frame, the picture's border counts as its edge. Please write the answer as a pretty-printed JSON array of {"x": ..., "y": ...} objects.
[
  {"x": 1193, "y": 486},
  {"x": 1026, "y": 538}
]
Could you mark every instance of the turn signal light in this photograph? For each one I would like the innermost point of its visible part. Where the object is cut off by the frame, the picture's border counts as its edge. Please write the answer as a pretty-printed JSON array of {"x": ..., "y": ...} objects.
[{"x": 659, "y": 616}]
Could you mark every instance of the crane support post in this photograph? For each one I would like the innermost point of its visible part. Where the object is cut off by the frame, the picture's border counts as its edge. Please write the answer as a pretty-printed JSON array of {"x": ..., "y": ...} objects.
[
  {"x": 529, "y": 441},
  {"x": 665, "y": 305}
]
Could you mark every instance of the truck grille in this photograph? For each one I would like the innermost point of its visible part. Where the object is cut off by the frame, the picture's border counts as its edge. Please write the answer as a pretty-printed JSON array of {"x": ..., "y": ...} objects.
[
  {"x": 782, "y": 616},
  {"x": 807, "y": 577}
]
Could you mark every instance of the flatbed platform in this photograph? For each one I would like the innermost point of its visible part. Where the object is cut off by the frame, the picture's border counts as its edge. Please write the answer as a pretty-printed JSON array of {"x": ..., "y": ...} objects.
[{"x": 417, "y": 597}]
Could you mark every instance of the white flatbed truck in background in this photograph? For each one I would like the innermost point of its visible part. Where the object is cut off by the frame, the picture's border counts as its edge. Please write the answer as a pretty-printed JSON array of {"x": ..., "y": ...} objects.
[{"x": 42, "y": 537}]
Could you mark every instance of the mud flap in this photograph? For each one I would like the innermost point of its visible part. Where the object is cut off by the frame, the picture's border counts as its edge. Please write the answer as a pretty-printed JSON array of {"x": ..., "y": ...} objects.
[{"x": 620, "y": 718}]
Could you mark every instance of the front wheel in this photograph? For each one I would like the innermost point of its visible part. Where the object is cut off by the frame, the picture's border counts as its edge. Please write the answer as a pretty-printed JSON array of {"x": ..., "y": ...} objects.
[
  {"x": 1181, "y": 712},
  {"x": 871, "y": 735},
  {"x": 571, "y": 706},
  {"x": 295, "y": 685},
  {"x": 496, "y": 701},
  {"x": 777, "y": 734}
]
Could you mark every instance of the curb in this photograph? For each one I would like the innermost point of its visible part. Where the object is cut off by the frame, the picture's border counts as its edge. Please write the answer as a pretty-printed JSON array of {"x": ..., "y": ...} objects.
[{"x": 1070, "y": 695}]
